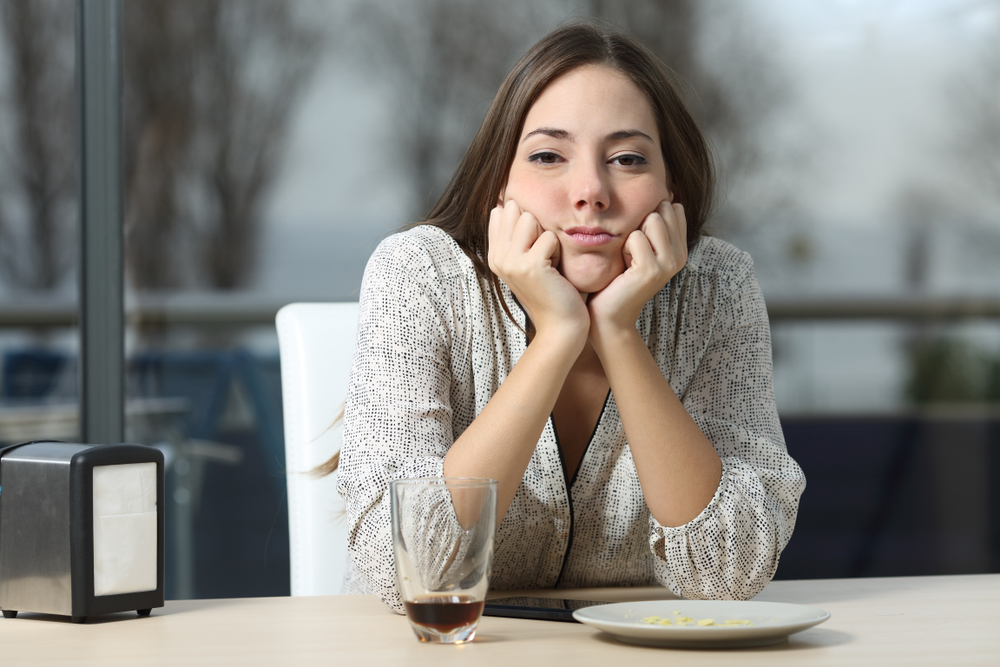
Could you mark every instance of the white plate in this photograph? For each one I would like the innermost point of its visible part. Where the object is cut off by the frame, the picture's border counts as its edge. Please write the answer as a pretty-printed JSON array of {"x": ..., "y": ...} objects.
[{"x": 772, "y": 622}]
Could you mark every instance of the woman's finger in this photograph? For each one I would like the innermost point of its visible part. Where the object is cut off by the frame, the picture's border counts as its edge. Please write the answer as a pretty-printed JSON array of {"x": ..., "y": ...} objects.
[
  {"x": 546, "y": 248},
  {"x": 503, "y": 220},
  {"x": 509, "y": 218},
  {"x": 655, "y": 229},
  {"x": 639, "y": 250},
  {"x": 677, "y": 226},
  {"x": 525, "y": 232},
  {"x": 494, "y": 226},
  {"x": 666, "y": 229},
  {"x": 497, "y": 248}
]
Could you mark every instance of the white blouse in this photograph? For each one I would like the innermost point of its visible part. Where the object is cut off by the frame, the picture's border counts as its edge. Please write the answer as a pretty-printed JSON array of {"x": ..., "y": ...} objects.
[{"x": 433, "y": 348}]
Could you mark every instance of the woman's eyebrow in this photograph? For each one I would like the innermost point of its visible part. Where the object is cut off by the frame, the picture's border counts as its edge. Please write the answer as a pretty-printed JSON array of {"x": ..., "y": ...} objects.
[
  {"x": 628, "y": 134},
  {"x": 563, "y": 134},
  {"x": 551, "y": 132}
]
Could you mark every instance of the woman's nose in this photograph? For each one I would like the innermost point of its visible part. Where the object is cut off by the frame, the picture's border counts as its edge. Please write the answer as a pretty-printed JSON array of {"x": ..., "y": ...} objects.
[{"x": 589, "y": 188}]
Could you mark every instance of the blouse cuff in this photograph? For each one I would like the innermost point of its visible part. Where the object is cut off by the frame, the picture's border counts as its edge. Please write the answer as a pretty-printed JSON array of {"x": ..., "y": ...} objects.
[{"x": 658, "y": 531}]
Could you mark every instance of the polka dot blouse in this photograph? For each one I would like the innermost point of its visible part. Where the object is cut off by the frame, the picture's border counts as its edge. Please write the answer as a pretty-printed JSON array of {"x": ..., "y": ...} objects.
[{"x": 433, "y": 347}]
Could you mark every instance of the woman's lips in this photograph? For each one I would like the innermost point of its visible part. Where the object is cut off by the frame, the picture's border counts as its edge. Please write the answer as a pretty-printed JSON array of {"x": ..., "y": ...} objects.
[{"x": 589, "y": 236}]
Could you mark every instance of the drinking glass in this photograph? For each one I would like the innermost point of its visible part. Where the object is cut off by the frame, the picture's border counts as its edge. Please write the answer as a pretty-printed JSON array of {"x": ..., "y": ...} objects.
[{"x": 442, "y": 536}]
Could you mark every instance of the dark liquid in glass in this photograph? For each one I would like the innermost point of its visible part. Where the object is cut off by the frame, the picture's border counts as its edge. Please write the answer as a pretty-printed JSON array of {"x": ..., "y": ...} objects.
[{"x": 444, "y": 614}]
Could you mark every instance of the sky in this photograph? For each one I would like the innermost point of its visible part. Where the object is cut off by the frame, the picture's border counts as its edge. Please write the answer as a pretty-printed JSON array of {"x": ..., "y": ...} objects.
[{"x": 876, "y": 76}]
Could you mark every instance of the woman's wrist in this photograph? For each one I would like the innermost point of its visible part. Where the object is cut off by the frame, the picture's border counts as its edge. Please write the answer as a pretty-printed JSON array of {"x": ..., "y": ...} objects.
[
  {"x": 561, "y": 339},
  {"x": 608, "y": 338}
]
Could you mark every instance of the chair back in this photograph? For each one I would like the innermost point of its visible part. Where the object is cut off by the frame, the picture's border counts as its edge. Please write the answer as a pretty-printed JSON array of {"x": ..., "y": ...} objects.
[{"x": 316, "y": 342}]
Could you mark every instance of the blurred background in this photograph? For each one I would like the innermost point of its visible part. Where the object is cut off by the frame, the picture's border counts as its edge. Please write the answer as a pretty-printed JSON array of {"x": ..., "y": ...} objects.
[{"x": 270, "y": 145}]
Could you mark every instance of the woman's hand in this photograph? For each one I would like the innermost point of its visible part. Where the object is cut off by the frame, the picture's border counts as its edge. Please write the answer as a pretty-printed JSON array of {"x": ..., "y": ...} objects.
[
  {"x": 654, "y": 254},
  {"x": 526, "y": 257}
]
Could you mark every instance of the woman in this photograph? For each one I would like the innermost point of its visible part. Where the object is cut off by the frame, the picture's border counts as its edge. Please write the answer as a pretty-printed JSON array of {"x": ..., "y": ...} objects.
[{"x": 559, "y": 323}]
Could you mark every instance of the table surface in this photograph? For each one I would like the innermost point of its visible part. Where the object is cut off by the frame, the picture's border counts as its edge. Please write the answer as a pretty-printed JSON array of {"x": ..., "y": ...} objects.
[{"x": 951, "y": 620}]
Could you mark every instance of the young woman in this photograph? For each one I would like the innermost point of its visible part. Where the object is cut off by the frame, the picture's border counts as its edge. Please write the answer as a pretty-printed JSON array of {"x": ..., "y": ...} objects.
[{"x": 560, "y": 324}]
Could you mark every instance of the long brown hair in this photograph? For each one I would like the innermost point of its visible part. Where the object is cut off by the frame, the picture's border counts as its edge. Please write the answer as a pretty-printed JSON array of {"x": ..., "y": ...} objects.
[{"x": 463, "y": 210}]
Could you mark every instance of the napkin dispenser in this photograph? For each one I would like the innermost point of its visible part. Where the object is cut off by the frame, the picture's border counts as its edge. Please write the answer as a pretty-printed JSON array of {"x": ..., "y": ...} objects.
[{"x": 81, "y": 529}]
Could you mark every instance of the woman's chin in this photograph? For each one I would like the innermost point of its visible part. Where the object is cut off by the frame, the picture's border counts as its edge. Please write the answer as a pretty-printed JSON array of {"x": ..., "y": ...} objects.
[
  {"x": 588, "y": 284},
  {"x": 591, "y": 272}
]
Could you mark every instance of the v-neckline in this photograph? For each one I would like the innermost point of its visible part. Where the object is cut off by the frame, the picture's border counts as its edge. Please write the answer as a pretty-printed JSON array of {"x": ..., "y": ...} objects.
[
  {"x": 571, "y": 475},
  {"x": 524, "y": 326}
]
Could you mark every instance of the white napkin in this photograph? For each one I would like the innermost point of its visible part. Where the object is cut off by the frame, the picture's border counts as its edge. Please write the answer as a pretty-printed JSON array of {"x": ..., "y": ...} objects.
[{"x": 124, "y": 528}]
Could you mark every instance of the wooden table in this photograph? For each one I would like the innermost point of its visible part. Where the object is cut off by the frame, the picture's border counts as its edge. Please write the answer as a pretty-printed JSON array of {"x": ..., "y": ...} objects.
[{"x": 951, "y": 620}]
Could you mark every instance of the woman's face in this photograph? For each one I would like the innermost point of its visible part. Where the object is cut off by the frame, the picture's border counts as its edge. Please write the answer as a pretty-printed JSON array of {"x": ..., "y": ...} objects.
[{"x": 589, "y": 167}]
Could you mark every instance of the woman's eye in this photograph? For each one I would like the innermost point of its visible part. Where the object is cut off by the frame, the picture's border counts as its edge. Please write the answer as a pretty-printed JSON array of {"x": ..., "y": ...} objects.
[
  {"x": 544, "y": 157},
  {"x": 629, "y": 160}
]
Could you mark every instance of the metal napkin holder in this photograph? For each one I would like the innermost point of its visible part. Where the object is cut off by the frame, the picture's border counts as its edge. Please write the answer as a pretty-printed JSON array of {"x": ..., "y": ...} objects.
[{"x": 47, "y": 529}]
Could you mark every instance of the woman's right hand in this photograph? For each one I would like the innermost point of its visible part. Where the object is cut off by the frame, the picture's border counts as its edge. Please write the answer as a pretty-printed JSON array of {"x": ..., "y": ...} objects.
[{"x": 526, "y": 257}]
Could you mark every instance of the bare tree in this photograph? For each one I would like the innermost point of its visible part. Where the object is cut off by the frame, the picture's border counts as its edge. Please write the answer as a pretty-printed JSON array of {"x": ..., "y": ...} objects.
[
  {"x": 211, "y": 88},
  {"x": 444, "y": 60},
  {"x": 921, "y": 212},
  {"x": 161, "y": 39},
  {"x": 37, "y": 209},
  {"x": 979, "y": 104},
  {"x": 256, "y": 60},
  {"x": 976, "y": 148}
]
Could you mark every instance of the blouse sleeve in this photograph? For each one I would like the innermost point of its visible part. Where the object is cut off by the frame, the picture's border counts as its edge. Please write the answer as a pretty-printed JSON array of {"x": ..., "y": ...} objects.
[
  {"x": 731, "y": 550},
  {"x": 397, "y": 418}
]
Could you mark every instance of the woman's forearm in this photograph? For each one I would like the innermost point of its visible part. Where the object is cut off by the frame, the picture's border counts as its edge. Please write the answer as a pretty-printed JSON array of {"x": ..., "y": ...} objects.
[
  {"x": 679, "y": 469},
  {"x": 500, "y": 441}
]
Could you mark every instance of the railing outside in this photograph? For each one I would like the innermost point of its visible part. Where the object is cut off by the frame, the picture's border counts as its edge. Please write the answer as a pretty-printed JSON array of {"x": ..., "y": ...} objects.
[{"x": 240, "y": 310}]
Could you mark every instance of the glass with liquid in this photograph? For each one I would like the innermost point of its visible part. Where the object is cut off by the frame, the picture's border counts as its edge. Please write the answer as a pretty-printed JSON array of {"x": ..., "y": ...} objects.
[{"x": 442, "y": 535}]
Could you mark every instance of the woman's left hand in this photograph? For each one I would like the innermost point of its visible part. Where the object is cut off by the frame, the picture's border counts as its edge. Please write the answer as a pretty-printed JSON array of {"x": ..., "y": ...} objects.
[{"x": 654, "y": 254}]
